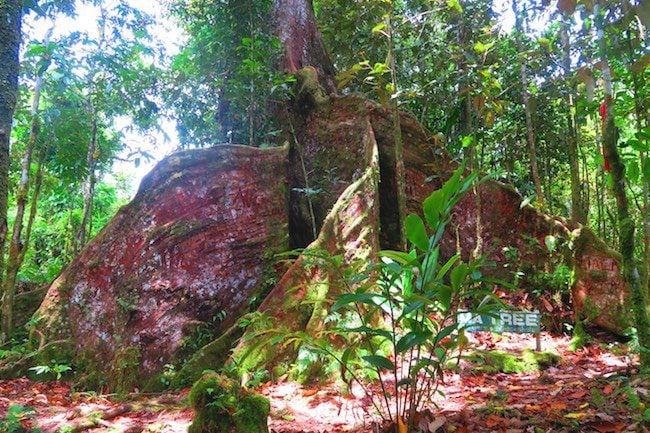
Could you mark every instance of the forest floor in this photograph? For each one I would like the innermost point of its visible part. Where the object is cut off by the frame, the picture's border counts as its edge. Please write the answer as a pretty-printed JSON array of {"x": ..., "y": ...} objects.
[{"x": 592, "y": 390}]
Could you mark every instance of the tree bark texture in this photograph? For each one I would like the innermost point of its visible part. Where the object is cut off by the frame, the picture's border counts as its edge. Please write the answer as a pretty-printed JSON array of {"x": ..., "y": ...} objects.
[
  {"x": 10, "y": 35},
  {"x": 294, "y": 23}
]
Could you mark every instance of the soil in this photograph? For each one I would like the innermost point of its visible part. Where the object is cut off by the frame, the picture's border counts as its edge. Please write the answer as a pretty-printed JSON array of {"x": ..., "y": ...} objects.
[{"x": 593, "y": 390}]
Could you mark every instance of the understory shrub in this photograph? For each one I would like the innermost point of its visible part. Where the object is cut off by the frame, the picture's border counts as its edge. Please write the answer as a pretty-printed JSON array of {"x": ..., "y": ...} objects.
[{"x": 390, "y": 326}]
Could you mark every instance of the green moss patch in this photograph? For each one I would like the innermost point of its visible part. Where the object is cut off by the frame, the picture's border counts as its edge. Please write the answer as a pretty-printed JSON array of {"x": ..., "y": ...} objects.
[
  {"x": 527, "y": 362},
  {"x": 210, "y": 357},
  {"x": 221, "y": 405},
  {"x": 127, "y": 366}
]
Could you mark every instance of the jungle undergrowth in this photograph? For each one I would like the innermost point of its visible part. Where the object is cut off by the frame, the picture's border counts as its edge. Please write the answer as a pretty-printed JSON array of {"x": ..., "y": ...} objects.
[{"x": 390, "y": 326}]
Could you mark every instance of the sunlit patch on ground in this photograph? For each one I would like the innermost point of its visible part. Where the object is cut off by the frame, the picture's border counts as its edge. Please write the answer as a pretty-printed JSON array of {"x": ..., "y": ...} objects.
[{"x": 588, "y": 391}]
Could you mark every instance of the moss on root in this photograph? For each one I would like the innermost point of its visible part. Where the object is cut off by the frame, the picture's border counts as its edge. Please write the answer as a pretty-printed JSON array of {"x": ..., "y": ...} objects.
[
  {"x": 580, "y": 337},
  {"x": 221, "y": 405},
  {"x": 212, "y": 356},
  {"x": 127, "y": 366},
  {"x": 528, "y": 362}
]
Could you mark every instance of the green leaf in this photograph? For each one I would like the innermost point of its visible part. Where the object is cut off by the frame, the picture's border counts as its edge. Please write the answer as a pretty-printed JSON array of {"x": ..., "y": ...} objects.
[
  {"x": 354, "y": 298},
  {"x": 455, "y": 4},
  {"x": 444, "y": 332},
  {"x": 551, "y": 242},
  {"x": 370, "y": 331},
  {"x": 416, "y": 232},
  {"x": 644, "y": 134},
  {"x": 458, "y": 275},
  {"x": 444, "y": 296},
  {"x": 632, "y": 170},
  {"x": 646, "y": 168},
  {"x": 411, "y": 339},
  {"x": 445, "y": 268},
  {"x": 381, "y": 362},
  {"x": 525, "y": 202},
  {"x": 433, "y": 207},
  {"x": 429, "y": 265},
  {"x": 639, "y": 145},
  {"x": 415, "y": 305},
  {"x": 398, "y": 257},
  {"x": 407, "y": 381},
  {"x": 450, "y": 187},
  {"x": 378, "y": 28},
  {"x": 482, "y": 48}
]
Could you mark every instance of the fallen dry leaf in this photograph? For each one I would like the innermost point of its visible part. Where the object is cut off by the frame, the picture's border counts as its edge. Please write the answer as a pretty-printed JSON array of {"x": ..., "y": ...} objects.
[
  {"x": 493, "y": 420},
  {"x": 608, "y": 427},
  {"x": 577, "y": 395},
  {"x": 557, "y": 406},
  {"x": 575, "y": 415}
]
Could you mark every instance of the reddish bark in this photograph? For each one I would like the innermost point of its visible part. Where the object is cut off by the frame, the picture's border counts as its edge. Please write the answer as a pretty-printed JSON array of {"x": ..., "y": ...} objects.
[
  {"x": 294, "y": 24},
  {"x": 194, "y": 244}
]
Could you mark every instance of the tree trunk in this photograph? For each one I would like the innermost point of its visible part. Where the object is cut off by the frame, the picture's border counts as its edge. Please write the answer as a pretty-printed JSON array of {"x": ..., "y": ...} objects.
[
  {"x": 578, "y": 214},
  {"x": 88, "y": 185},
  {"x": 17, "y": 246},
  {"x": 88, "y": 188},
  {"x": 625, "y": 220},
  {"x": 400, "y": 174},
  {"x": 10, "y": 26},
  {"x": 33, "y": 207},
  {"x": 642, "y": 116},
  {"x": 294, "y": 23},
  {"x": 530, "y": 131}
]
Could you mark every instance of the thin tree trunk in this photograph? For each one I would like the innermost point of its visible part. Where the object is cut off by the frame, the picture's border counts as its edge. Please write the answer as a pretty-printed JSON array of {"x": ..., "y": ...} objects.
[
  {"x": 33, "y": 207},
  {"x": 625, "y": 220},
  {"x": 530, "y": 131},
  {"x": 88, "y": 190},
  {"x": 88, "y": 187},
  {"x": 586, "y": 183},
  {"x": 642, "y": 115},
  {"x": 578, "y": 214},
  {"x": 10, "y": 35},
  {"x": 16, "y": 245},
  {"x": 466, "y": 128}
]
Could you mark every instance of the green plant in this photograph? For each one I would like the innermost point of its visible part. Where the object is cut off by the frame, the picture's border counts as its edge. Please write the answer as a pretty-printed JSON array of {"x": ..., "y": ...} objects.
[
  {"x": 12, "y": 421},
  {"x": 394, "y": 321},
  {"x": 53, "y": 368}
]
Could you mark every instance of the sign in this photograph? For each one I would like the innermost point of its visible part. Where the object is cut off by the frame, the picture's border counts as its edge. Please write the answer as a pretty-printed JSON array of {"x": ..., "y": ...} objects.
[{"x": 521, "y": 322}]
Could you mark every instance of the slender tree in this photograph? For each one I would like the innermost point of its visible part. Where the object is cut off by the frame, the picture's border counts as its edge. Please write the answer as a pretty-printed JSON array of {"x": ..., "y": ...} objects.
[
  {"x": 17, "y": 244},
  {"x": 530, "y": 129},
  {"x": 10, "y": 36},
  {"x": 578, "y": 214},
  {"x": 625, "y": 220}
]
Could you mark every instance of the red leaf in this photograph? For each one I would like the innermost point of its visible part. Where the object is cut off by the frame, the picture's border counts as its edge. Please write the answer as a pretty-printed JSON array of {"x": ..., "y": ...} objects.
[
  {"x": 609, "y": 427},
  {"x": 578, "y": 394}
]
